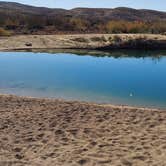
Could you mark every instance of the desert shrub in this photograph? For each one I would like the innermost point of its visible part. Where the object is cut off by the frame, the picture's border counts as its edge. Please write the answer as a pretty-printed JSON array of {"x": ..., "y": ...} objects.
[
  {"x": 126, "y": 27},
  {"x": 35, "y": 23},
  {"x": 99, "y": 39},
  {"x": 116, "y": 27},
  {"x": 116, "y": 39},
  {"x": 81, "y": 39},
  {"x": 4, "y": 32},
  {"x": 98, "y": 27},
  {"x": 11, "y": 24},
  {"x": 103, "y": 39},
  {"x": 136, "y": 27},
  {"x": 158, "y": 27},
  {"x": 110, "y": 39},
  {"x": 78, "y": 24}
]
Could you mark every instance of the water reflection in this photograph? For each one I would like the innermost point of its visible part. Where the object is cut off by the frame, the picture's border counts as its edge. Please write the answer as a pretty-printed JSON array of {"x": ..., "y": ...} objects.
[{"x": 155, "y": 55}]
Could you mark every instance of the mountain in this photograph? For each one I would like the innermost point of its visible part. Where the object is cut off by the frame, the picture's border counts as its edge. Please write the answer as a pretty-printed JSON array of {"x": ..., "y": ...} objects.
[
  {"x": 121, "y": 13},
  {"x": 20, "y": 17}
]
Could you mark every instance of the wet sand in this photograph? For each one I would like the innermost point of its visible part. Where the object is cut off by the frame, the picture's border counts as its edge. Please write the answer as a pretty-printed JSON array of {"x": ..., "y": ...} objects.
[{"x": 48, "y": 132}]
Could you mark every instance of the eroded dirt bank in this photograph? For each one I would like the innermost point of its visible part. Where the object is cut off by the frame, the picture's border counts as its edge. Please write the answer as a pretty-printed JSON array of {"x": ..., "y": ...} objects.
[{"x": 89, "y": 41}]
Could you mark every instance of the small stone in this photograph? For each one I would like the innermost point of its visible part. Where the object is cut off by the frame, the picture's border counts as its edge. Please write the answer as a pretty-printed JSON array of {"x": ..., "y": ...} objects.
[
  {"x": 28, "y": 44},
  {"x": 82, "y": 161},
  {"x": 19, "y": 156},
  {"x": 126, "y": 162}
]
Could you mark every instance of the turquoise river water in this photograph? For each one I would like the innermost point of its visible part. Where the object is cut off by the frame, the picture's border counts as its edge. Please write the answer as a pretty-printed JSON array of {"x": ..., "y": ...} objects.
[{"x": 136, "y": 78}]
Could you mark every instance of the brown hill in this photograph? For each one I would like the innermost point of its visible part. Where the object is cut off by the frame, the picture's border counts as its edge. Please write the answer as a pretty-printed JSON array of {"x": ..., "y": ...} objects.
[
  {"x": 121, "y": 13},
  {"x": 18, "y": 16}
]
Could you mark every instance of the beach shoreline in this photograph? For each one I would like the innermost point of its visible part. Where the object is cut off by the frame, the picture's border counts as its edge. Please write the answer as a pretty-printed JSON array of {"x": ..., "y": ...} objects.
[
  {"x": 35, "y": 131},
  {"x": 101, "y": 104},
  {"x": 83, "y": 41}
]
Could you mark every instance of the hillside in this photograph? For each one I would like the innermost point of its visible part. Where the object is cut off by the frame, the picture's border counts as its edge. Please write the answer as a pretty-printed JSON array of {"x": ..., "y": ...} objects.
[
  {"x": 28, "y": 19},
  {"x": 121, "y": 13}
]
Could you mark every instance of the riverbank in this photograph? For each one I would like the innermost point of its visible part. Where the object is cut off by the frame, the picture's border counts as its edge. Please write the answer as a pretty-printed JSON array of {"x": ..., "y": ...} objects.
[
  {"x": 70, "y": 133},
  {"x": 83, "y": 41}
]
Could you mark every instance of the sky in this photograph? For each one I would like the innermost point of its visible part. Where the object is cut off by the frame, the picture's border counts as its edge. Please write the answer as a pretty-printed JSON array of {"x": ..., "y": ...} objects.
[{"x": 69, "y": 4}]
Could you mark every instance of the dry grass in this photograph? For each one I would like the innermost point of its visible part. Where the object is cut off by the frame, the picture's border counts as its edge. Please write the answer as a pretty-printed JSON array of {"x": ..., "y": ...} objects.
[{"x": 4, "y": 32}]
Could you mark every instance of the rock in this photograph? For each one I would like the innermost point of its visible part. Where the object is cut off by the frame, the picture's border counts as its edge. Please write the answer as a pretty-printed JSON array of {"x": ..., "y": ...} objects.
[
  {"x": 126, "y": 162},
  {"x": 19, "y": 156},
  {"x": 28, "y": 44},
  {"x": 82, "y": 161}
]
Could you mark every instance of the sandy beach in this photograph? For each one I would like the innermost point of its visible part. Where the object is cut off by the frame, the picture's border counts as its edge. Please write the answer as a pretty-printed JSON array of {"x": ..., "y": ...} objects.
[
  {"x": 83, "y": 41},
  {"x": 50, "y": 132}
]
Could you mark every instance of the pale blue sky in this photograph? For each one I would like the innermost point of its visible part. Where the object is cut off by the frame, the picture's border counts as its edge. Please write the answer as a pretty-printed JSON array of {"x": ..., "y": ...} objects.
[{"x": 68, "y": 4}]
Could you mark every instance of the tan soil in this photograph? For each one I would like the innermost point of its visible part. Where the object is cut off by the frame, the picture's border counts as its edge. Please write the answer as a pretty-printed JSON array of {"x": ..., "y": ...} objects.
[
  {"x": 80, "y": 41},
  {"x": 48, "y": 132}
]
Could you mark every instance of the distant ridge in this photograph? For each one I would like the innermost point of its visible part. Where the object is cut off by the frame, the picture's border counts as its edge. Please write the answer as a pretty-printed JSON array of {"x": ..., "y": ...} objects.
[{"x": 120, "y": 13}]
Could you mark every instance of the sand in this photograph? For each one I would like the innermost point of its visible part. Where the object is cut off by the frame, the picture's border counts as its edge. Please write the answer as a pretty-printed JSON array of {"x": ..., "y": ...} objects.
[
  {"x": 83, "y": 41},
  {"x": 50, "y": 132}
]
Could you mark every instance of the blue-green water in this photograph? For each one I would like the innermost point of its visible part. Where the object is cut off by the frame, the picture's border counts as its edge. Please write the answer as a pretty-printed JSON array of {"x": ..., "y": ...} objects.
[{"x": 124, "y": 80}]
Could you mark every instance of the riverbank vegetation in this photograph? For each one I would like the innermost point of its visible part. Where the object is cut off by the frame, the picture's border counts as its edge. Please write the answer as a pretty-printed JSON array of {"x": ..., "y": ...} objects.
[
  {"x": 4, "y": 32},
  {"x": 37, "y": 25}
]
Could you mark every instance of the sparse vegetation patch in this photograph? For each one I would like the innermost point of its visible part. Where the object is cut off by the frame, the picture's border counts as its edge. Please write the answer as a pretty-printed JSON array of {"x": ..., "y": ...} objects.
[
  {"x": 81, "y": 40},
  {"x": 99, "y": 39},
  {"x": 4, "y": 32}
]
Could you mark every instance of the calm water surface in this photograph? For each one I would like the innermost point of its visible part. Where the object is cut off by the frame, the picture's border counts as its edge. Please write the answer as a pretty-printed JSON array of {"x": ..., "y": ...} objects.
[{"x": 138, "y": 80}]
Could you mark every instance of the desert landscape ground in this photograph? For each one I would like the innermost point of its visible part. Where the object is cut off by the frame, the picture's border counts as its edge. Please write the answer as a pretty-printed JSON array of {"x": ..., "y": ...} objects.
[
  {"x": 58, "y": 132},
  {"x": 55, "y": 132}
]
